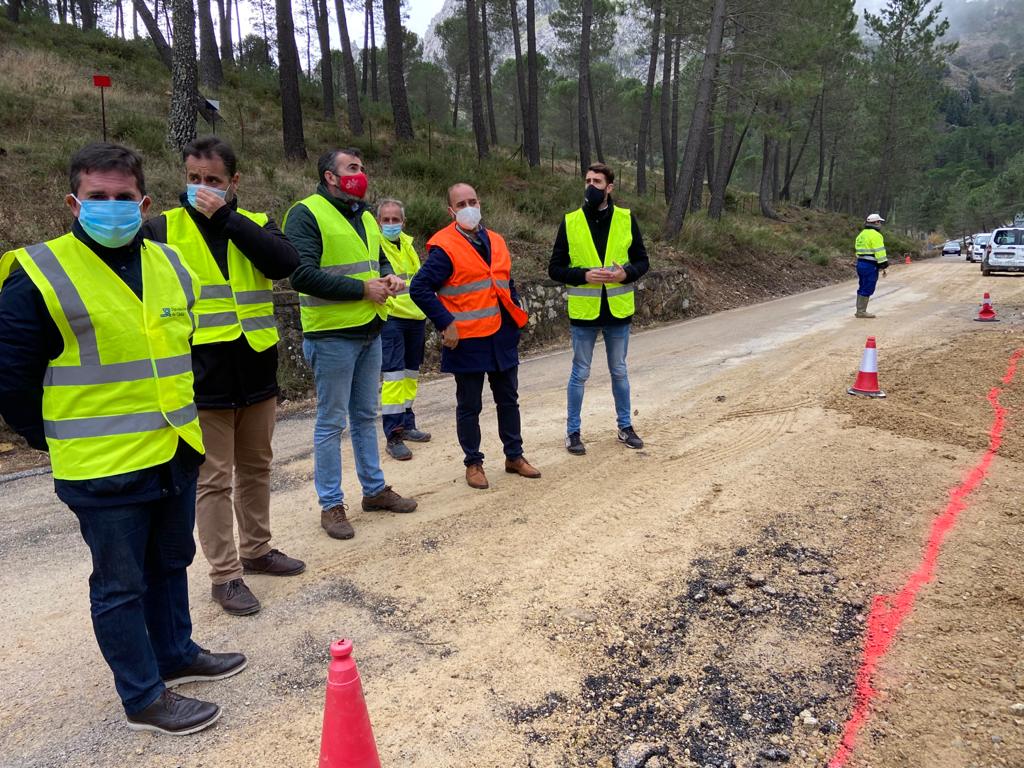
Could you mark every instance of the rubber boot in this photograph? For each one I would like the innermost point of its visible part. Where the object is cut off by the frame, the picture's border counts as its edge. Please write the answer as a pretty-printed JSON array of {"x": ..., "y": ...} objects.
[{"x": 862, "y": 307}]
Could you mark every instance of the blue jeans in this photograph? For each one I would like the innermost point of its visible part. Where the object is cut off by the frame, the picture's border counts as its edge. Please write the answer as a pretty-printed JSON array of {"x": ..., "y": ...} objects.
[
  {"x": 138, "y": 590},
  {"x": 867, "y": 273},
  {"x": 616, "y": 344},
  {"x": 402, "y": 350},
  {"x": 347, "y": 375}
]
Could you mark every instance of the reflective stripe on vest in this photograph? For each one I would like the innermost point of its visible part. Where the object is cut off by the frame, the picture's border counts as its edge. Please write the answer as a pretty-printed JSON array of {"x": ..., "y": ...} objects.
[
  {"x": 406, "y": 263},
  {"x": 119, "y": 396},
  {"x": 343, "y": 252},
  {"x": 242, "y": 303},
  {"x": 476, "y": 291},
  {"x": 585, "y": 300},
  {"x": 870, "y": 246}
]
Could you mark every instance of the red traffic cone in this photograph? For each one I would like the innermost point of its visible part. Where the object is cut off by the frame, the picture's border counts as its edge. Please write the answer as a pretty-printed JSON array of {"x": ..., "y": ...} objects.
[
  {"x": 867, "y": 377},
  {"x": 986, "y": 314},
  {"x": 347, "y": 740},
  {"x": 907, "y": 259}
]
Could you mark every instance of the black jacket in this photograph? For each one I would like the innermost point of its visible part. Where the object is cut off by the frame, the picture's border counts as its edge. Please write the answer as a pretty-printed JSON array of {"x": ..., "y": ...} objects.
[
  {"x": 29, "y": 339},
  {"x": 301, "y": 228},
  {"x": 600, "y": 223},
  {"x": 231, "y": 374}
]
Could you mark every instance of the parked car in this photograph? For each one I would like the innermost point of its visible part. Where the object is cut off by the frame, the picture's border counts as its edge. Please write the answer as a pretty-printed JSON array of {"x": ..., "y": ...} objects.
[
  {"x": 977, "y": 250},
  {"x": 951, "y": 246},
  {"x": 1004, "y": 252}
]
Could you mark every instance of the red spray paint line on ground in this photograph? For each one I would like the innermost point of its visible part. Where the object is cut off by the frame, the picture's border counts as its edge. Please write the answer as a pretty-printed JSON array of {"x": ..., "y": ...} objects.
[{"x": 889, "y": 611}]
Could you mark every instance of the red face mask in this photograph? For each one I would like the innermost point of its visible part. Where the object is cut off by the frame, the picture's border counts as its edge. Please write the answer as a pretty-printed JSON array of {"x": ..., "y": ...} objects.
[{"x": 354, "y": 185}]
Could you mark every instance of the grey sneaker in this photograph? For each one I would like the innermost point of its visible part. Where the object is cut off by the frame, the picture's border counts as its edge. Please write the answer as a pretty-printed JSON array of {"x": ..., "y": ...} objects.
[
  {"x": 574, "y": 445},
  {"x": 416, "y": 436},
  {"x": 629, "y": 438},
  {"x": 396, "y": 449}
]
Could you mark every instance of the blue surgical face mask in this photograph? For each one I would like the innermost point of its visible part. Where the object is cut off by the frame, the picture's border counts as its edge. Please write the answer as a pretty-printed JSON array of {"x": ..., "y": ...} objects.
[
  {"x": 111, "y": 223},
  {"x": 191, "y": 189},
  {"x": 391, "y": 231}
]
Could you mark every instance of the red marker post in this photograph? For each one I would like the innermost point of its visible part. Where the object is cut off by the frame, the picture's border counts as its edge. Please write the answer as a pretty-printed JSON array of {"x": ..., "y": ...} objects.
[{"x": 102, "y": 82}]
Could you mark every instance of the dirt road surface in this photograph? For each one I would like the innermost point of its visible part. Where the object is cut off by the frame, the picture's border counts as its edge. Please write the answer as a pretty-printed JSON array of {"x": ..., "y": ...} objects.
[{"x": 702, "y": 600}]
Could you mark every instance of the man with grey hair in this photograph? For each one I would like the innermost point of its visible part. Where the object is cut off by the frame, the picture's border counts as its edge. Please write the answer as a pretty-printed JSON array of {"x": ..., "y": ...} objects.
[{"x": 401, "y": 337}]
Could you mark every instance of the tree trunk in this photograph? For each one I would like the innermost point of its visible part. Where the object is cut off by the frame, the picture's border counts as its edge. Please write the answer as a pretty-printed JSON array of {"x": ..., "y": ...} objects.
[
  {"x": 739, "y": 143},
  {"x": 309, "y": 37},
  {"x": 475, "y": 94},
  {"x": 374, "y": 89},
  {"x": 364, "y": 57},
  {"x": 816, "y": 197},
  {"x": 583, "y": 93},
  {"x": 668, "y": 165},
  {"x": 14, "y": 11},
  {"x": 181, "y": 121},
  {"x": 769, "y": 151},
  {"x": 396, "y": 70},
  {"x": 355, "y": 112},
  {"x": 699, "y": 122},
  {"x": 323, "y": 32},
  {"x": 645, "y": 107},
  {"x": 674, "y": 116},
  {"x": 135, "y": 23},
  {"x": 532, "y": 128},
  {"x": 227, "y": 54},
  {"x": 723, "y": 169},
  {"x": 524, "y": 101},
  {"x": 791, "y": 172},
  {"x": 775, "y": 171},
  {"x": 593, "y": 119},
  {"x": 455, "y": 100},
  {"x": 87, "y": 8},
  {"x": 210, "y": 73},
  {"x": 485, "y": 35},
  {"x": 238, "y": 26},
  {"x": 153, "y": 30},
  {"x": 288, "y": 77}
]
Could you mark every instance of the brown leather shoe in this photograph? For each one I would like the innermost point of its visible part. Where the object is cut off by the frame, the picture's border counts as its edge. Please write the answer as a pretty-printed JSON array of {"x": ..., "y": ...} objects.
[
  {"x": 388, "y": 501},
  {"x": 521, "y": 467},
  {"x": 235, "y": 598},
  {"x": 274, "y": 563},
  {"x": 336, "y": 524},
  {"x": 475, "y": 477}
]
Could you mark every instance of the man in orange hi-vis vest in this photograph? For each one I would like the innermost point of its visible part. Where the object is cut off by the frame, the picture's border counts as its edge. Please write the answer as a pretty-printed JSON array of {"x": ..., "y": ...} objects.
[{"x": 465, "y": 288}]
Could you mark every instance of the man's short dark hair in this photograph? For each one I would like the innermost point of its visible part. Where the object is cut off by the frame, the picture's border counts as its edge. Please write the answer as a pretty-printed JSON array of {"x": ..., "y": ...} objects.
[
  {"x": 604, "y": 170},
  {"x": 329, "y": 158},
  {"x": 103, "y": 156},
  {"x": 209, "y": 147}
]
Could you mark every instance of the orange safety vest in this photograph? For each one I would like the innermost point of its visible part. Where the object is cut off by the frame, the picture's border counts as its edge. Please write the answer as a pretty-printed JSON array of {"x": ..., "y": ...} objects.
[{"x": 476, "y": 291}]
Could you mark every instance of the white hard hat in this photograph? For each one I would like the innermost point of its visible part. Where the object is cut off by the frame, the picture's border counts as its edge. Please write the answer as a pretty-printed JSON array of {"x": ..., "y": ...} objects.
[{"x": 874, "y": 218}]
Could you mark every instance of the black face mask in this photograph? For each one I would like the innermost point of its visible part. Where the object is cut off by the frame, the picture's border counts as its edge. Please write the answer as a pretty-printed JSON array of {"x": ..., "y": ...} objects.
[{"x": 593, "y": 197}]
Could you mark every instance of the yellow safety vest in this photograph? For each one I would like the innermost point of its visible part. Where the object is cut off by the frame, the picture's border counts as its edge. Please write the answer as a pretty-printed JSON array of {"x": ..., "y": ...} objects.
[
  {"x": 870, "y": 246},
  {"x": 226, "y": 308},
  {"x": 406, "y": 263},
  {"x": 343, "y": 253},
  {"x": 119, "y": 396},
  {"x": 585, "y": 300}
]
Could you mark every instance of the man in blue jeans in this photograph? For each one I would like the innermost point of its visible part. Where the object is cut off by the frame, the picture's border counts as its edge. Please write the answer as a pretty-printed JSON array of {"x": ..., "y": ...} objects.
[
  {"x": 599, "y": 254},
  {"x": 344, "y": 281}
]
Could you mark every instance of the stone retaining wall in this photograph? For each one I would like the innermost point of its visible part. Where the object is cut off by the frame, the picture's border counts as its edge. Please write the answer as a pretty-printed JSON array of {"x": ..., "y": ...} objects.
[{"x": 661, "y": 296}]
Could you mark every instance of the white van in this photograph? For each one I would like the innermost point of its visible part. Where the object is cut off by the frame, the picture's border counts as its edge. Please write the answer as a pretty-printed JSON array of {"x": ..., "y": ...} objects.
[
  {"x": 1004, "y": 252},
  {"x": 976, "y": 251}
]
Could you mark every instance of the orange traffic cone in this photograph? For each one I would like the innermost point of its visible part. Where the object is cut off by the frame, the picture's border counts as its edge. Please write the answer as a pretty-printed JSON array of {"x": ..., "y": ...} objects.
[
  {"x": 986, "y": 314},
  {"x": 907, "y": 259},
  {"x": 347, "y": 740},
  {"x": 867, "y": 377}
]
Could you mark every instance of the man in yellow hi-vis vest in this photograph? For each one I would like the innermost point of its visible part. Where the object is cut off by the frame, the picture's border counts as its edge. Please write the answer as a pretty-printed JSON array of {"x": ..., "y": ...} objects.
[
  {"x": 236, "y": 254},
  {"x": 599, "y": 255},
  {"x": 871, "y": 259},
  {"x": 95, "y": 368},
  {"x": 402, "y": 338},
  {"x": 344, "y": 282}
]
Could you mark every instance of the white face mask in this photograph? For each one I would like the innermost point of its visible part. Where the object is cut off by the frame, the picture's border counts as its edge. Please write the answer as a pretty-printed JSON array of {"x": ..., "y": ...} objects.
[{"x": 468, "y": 218}]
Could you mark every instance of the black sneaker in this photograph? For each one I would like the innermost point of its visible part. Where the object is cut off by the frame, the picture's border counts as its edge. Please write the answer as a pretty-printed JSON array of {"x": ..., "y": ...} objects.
[
  {"x": 397, "y": 449},
  {"x": 175, "y": 715},
  {"x": 629, "y": 438},
  {"x": 574, "y": 445},
  {"x": 206, "y": 667}
]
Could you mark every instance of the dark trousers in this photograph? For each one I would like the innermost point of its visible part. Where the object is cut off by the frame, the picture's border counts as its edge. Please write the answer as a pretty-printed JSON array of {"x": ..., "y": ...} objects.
[
  {"x": 401, "y": 342},
  {"x": 867, "y": 274},
  {"x": 469, "y": 388},
  {"x": 138, "y": 590}
]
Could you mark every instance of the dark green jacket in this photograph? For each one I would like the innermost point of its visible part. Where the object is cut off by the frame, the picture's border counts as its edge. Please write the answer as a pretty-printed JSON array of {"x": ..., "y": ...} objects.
[{"x": 301, "y": 228}]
